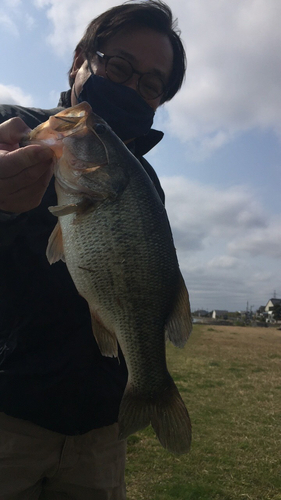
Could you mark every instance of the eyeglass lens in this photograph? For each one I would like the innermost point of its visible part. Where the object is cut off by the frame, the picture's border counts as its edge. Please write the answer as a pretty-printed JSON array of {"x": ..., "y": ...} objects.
[{"x": 119, "y": 70}]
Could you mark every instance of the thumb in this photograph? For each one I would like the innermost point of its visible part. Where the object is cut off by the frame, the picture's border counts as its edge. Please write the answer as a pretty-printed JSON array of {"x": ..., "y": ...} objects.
[{"x": 12, "y": 131}]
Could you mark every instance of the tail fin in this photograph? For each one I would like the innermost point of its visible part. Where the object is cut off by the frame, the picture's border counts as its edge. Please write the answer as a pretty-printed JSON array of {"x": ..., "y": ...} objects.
[{"x": 165, "y": 411}]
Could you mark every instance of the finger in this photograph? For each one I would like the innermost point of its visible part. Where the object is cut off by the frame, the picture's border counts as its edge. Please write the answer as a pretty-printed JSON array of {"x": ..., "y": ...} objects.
[
  {"x": 13, "y": 130},
  {"x": 27, "y": 177},
  {"x": 14, "y": 162},
  {"x": 27, "y": 197}
]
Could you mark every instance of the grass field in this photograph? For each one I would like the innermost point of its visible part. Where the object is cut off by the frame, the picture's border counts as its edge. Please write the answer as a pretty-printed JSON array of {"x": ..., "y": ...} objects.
[{"x": 230, "y": 380}]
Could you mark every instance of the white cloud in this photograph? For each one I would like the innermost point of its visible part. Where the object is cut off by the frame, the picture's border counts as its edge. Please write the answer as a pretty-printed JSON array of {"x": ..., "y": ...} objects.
[
  {"x": 265, "y": 241},
  {"x": 15, "y": 17},
  {"x": 227, "y": 243},
  {"x": 70, "y": 20},
  {"x": 223, "y": 262},
  {"x": 29, "y": 21},
  {"x": 198, "y": 211},
  {"x": 222, "y": 288},
  {"x": 10, "y": 94},
  {"x": 234, "y": 70},
  {"x": 7, "y": 24}
]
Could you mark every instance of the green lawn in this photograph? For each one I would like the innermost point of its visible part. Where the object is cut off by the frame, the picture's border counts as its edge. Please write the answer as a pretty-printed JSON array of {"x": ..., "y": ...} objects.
[{"x": 230, "y": 380}]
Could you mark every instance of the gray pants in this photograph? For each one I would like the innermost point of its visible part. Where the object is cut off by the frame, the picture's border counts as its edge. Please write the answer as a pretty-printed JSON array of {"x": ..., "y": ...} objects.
[{"x": 37, "y": 464}]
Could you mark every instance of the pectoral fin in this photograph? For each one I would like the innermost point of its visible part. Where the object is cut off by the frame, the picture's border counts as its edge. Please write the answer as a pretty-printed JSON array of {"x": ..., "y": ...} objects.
[
  {"x": 179, "y": 323},
  {"x": 55, "y": 250},
  {"x": 60, "y": 210}
]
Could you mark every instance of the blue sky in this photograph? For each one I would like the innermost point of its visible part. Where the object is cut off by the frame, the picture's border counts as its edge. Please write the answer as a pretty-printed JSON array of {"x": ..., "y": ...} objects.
[{"x": 220, "y": 160}]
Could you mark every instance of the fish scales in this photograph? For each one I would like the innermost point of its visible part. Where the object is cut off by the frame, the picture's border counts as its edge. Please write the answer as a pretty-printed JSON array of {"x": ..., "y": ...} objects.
[
  {"x": 106, "y": 259},
  {"x": 114, "y": 235}
]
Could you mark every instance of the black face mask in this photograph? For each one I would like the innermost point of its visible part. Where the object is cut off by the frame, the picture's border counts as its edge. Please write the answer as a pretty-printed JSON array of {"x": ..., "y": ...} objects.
[{"x": 121, "y": 107}]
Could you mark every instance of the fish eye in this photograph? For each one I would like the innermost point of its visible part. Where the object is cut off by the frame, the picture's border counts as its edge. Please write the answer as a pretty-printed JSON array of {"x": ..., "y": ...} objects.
[{"x": 99, "y": 128}]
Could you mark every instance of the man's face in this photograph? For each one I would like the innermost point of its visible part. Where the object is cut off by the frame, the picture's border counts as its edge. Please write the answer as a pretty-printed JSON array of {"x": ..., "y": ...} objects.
[{"x": 147, "y": 50}]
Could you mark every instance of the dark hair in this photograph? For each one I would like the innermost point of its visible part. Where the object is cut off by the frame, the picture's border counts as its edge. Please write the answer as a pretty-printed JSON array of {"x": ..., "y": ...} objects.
[{"x": 153, "y": 14}]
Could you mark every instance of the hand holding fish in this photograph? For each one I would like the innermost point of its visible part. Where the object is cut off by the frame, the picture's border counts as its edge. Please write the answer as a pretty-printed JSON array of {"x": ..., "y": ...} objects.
[{"x": 24, "y": 172}]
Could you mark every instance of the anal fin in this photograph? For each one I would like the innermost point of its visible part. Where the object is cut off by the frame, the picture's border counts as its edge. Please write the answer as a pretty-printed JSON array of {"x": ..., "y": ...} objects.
[{"x": 106, "y": 340}]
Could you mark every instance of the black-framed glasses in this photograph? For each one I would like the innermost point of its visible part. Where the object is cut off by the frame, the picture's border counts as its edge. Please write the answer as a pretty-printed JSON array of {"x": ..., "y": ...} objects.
[{"x": 119, "y": 70}]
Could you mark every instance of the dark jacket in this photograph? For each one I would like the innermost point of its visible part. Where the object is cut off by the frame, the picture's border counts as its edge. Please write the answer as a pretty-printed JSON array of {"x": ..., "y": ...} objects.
[{"x": 51, "y": 370}]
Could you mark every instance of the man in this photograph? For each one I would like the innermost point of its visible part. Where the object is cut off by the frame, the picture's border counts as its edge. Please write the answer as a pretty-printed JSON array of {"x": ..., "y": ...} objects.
[{"x": 59, "y": 398}]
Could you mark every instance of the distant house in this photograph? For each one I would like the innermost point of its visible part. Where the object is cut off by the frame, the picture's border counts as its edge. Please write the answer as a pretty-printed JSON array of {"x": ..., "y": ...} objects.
[
  {"x": 269, "y": 309},
  {"x": 219, "y": 314},
  {"x": 271, "y": 303}
]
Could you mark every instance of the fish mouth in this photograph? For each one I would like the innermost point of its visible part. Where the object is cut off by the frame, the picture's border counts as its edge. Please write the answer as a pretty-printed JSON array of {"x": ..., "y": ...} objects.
[{"x": 75, "y": 135}]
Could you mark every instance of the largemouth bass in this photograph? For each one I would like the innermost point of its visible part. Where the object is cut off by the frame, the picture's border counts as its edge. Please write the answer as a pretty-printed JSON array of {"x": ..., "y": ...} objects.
[{"x": 114, "y": 235}]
